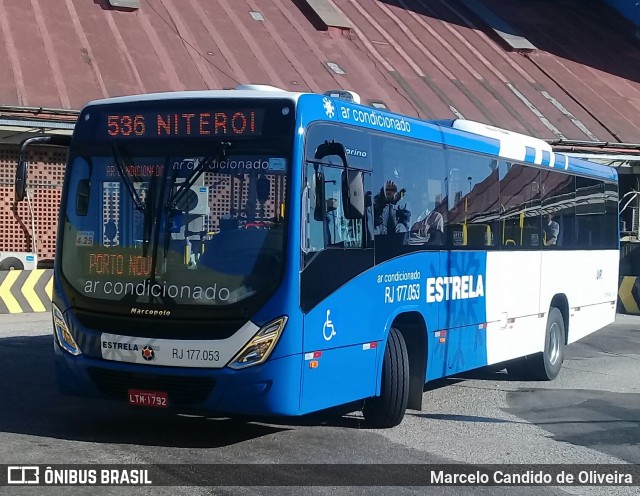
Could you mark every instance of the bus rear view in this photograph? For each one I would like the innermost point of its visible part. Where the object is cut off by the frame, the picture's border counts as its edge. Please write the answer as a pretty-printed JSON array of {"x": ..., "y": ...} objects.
[{"x": 171, "y": 250}]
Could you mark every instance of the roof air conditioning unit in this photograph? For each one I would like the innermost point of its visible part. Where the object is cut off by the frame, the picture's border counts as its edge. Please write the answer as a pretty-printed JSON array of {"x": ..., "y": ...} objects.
[{"x": 346, "y": 95}]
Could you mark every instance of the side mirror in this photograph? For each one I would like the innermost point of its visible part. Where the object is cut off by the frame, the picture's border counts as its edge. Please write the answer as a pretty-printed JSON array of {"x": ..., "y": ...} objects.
[
  {"x": 22, "y": 171},
  {"x": 21, "y": 178},
  {"x": 353, "y": 194},
  {"x": 318, "y": 193},
  {"x": 331, "y": 148},
  {"x": 82, "y": 197}
]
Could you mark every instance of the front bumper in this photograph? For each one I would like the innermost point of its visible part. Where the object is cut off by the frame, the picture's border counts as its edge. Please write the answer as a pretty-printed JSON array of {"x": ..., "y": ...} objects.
[{"x": 272, "y": 388}]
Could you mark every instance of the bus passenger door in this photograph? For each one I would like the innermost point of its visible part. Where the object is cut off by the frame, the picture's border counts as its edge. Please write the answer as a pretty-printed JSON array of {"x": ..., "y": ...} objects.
[
  {"x": 513, "y": 271},
  {"x": 338, "y": 366},
  {"x": 472, "y": 206}
]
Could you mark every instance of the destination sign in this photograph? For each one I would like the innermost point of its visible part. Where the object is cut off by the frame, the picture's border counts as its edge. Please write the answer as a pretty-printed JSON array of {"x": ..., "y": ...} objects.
[{"x": 206, "y": 123}]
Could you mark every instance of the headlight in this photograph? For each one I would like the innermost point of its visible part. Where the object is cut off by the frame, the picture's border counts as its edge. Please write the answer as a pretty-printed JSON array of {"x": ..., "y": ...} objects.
[
  {"x": 62, "y": 334},
  {"x": 261, "y": 345}
]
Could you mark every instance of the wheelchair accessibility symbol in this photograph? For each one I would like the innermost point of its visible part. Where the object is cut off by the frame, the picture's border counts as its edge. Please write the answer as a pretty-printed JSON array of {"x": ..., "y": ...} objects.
[{"x": 328, "y": 330}]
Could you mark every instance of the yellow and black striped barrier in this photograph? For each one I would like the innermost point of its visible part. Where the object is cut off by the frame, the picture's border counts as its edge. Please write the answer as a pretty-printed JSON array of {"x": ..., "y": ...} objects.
[
  {"x": 629, "y": 295},
  {"x": 24, "y": 291}
]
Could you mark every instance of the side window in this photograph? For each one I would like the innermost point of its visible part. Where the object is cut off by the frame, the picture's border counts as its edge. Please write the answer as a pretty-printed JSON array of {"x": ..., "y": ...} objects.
[
  {"x": 324, "y": 223},
  {"x": 81, "y": 202},
  {"x": 590, "y": 214},
  {"x": 473, "y": 201},
  {"x": 335, "y": 249},
  {"x": 558, "y": 210},
  {"x": 313, "y": 231},
  {"x": 611, "y": 216},
  {"x": 520, "y": 207},
  {"x": 408, "y": 196},
  {"x": 327, "y": 224}
]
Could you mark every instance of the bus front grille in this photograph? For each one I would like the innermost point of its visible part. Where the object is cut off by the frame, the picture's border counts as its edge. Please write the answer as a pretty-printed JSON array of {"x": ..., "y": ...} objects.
[{"x": 182, "y": 390}]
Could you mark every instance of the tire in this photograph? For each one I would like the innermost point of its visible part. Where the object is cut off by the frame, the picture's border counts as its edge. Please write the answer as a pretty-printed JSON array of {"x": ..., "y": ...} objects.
[
  {"x": 11, "y": 263},
  {"x": 387, "y": 410},
  {"x": 546, "y": 366}
]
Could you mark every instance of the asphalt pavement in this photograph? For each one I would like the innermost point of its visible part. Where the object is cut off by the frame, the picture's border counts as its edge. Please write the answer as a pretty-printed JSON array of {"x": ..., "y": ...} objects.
[{"x": 589, "y": 414}]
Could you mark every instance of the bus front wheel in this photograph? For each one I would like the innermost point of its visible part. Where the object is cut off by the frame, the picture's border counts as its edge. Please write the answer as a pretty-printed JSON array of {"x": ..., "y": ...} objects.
[{"x": 387, "y": 410}]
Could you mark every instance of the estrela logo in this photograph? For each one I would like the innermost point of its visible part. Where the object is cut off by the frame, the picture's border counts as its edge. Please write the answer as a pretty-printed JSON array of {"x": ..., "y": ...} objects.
[{"x": 148, "y": 353}]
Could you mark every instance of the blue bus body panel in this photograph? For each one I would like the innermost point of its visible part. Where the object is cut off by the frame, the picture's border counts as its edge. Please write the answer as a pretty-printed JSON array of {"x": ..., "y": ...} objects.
[
  {"x": 460, "y": 139},
  {"x": 530, "y": 154},
  {"x": 338, "y": 376},
  {"x": 560, "y": 161},
  {"x": 466, "y": 306},
  {"x": 322, "y": 108},
  {"x": 344, "y": 326},
  {"x": 592, "y": 169}
]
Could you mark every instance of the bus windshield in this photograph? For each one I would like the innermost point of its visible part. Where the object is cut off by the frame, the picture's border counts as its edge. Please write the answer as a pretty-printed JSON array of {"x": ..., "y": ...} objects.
[{"x": 175, "y": 224}]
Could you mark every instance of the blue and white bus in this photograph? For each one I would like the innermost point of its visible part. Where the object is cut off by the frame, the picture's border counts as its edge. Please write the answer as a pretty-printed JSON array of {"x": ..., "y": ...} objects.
[{"x": 261, "y": 252}]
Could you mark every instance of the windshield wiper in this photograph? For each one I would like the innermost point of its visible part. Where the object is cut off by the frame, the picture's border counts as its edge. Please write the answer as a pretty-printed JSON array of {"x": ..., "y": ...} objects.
[{"x": 138, "y": 204}]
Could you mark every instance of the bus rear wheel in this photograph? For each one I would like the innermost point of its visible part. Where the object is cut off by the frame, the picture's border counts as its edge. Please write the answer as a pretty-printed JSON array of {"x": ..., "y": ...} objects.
[
  {"x": 546, "y": 365},
  {"x": 387, "y": 410}
]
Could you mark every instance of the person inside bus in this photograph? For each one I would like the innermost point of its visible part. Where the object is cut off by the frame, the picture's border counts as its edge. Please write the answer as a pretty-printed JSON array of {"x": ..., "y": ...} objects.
[
  {"x": 428, "y": 227},
  {"x": 390, "y": 216},
  {"x": 551, "y": 230}
]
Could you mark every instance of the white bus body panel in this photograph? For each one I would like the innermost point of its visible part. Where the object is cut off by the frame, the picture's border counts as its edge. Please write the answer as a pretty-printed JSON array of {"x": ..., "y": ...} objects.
[
  {"x": 590, "y": 283},
  {"x": 517, "y": 316}
]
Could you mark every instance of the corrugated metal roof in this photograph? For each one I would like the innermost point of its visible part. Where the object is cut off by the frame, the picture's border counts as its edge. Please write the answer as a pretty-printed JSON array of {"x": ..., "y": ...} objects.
[{"x": 432, "y": 59}]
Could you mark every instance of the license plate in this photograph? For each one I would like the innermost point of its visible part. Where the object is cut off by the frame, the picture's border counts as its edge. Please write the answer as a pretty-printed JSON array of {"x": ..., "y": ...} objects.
[{"x": 141, "y": 397}]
